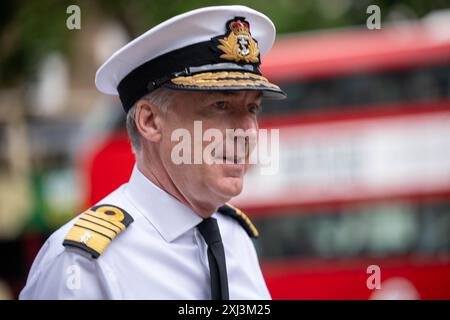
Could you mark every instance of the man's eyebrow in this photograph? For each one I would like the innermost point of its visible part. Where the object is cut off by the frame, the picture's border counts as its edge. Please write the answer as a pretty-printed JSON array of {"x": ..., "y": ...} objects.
[
  {"x": 228, "y": 93},
  {"x": 221, "y": 93}
]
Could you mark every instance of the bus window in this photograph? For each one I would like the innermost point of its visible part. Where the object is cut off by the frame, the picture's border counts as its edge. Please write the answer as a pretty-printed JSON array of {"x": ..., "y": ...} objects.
[
  {"x": 362, "y": 90},
  {"x": 372, "y": 231}
]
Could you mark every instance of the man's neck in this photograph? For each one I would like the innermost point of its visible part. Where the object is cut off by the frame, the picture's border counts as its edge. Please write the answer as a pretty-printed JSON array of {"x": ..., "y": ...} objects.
[{"x": 162, "y": 180}]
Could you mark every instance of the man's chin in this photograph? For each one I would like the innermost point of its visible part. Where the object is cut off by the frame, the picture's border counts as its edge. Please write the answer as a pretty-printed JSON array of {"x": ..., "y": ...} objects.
[{"x": 230, "y": 187}]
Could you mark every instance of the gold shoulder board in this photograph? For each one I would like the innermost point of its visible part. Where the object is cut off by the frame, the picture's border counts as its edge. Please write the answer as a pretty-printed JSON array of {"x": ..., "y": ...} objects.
[
  {"x": 96, "y": 228},
  {"x": 241, "y": 217}
]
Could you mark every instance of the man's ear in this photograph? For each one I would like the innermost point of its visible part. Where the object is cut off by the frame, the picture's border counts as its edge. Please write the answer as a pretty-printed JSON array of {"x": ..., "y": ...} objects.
[{"x": 148, "y": 120}]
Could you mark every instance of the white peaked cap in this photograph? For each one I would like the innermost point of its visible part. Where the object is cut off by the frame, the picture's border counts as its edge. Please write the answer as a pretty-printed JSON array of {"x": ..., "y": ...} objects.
[{"x": 126, "y": 72}]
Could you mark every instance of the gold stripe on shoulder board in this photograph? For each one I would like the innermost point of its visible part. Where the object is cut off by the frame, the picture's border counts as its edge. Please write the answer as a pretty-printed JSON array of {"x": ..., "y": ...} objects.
[
  {"x": 241, "y": 217},
  {"x": 96, "y": 228}
]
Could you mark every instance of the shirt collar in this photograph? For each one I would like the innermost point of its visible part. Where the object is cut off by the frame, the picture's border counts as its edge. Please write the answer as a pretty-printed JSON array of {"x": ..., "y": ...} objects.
[{"x": 168, "y": 215}]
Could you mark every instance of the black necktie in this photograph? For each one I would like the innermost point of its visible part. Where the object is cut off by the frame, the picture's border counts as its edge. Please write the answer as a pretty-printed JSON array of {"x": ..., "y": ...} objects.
[{"x": 216, "y": 258}]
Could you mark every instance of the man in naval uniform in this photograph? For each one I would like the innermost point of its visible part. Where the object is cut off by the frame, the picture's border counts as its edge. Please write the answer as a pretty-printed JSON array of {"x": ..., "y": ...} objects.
[{"x": 169, "y": 232}]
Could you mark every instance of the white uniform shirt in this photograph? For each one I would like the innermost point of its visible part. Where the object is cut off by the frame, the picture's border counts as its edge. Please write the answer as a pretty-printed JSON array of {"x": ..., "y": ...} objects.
[{"x": 161, "y": 255}]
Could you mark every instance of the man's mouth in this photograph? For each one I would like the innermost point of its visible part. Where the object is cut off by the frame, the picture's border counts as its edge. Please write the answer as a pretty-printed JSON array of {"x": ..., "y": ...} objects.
[{"x": 234, "y": 160}]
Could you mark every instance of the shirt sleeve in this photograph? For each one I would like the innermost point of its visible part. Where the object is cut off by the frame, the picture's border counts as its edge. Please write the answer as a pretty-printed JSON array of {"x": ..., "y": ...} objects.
[
  {"x": 258, "y": 276},
  {"x": 68, "y": 275}
]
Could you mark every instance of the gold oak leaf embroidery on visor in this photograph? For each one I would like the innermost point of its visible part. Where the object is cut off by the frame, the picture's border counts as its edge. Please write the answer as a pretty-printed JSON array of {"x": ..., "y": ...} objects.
[{"x": 224, "y": 79}]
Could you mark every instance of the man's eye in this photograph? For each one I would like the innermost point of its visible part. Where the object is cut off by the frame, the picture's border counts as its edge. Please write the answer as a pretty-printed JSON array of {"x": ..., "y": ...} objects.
[
  {"x": 254, "y": 109},
  {"x": 221, "y": 105}
]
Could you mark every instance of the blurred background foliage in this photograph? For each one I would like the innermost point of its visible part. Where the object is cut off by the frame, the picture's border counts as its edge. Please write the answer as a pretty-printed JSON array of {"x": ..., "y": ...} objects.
[{"x": 31, "y": 29}]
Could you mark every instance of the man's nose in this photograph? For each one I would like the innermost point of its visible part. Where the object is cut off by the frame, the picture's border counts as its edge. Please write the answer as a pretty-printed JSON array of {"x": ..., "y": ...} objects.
[
  {"x": 245, "y": 121},
  {"x": 245, "y": 132}
]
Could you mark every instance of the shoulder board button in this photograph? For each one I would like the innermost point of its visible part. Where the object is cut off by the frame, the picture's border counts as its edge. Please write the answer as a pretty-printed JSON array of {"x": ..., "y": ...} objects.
[
  {"x": 241, "y": 217},
  {"x": 96, "y": 228}
]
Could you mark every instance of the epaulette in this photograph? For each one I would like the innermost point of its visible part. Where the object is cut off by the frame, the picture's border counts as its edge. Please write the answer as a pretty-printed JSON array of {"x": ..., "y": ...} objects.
[
  {"x": 96, "y": 228},
  {"x": 241, "y": 217}
]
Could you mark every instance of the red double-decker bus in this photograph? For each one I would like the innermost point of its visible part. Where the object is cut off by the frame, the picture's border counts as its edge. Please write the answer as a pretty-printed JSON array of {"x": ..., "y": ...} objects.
[{"x": 363, "y": 175}]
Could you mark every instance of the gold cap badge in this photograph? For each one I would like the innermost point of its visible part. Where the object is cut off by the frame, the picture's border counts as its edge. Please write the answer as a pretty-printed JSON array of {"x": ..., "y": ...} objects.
[{"x": 238, "y": 44}]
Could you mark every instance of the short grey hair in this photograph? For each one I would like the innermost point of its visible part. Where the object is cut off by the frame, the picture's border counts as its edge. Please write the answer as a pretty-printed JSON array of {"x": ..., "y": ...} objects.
[{"x": 161, "y": 98}]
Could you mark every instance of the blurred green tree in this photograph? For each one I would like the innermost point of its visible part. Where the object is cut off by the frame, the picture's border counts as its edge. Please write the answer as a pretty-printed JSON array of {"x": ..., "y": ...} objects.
[{"x": 29, "y": 29}]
